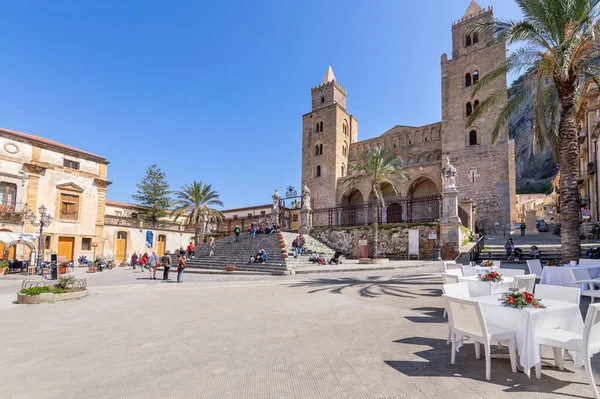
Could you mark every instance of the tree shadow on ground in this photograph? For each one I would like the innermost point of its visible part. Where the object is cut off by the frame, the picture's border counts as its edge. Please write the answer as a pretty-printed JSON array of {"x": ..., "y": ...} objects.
[
  {"x": 431, "y": 315},
  {"x": 436, "y": 363},
  {"x": 376, "y": 286}
]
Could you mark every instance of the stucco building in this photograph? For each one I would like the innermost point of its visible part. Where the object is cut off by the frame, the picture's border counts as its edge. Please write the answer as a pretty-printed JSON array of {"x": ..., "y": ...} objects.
[
  {"x": 69, "y": 182},
  {"x": 486, "y": 171}
]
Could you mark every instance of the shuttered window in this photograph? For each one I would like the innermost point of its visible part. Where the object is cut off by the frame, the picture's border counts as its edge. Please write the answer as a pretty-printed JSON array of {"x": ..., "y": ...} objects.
[{"x": 69, "y": 207}]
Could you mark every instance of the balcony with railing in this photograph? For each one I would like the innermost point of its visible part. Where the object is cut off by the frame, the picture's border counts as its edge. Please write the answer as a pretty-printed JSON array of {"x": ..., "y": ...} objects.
[
  {"x": 12, "y": 211},
  {"x": 111, "y": 220}
]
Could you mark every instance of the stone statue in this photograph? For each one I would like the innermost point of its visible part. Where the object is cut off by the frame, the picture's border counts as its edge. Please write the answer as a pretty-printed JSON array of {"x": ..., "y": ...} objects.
[
  {"x": 305, "y": 197},
  {"x": 448, "y": 175},
  {"x": 276, "y": 198}
]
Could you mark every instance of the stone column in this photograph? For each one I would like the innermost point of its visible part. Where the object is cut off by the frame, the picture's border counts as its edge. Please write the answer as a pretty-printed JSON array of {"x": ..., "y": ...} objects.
[{"x": 449, "y": 222}]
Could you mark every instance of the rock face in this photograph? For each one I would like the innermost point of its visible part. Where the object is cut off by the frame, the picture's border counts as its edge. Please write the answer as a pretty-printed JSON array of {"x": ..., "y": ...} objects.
[{"x": 533, "y": 171}]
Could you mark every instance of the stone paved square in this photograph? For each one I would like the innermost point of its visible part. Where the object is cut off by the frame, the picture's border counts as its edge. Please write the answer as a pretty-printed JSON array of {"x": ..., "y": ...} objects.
[{"x": 373, "y": 334}]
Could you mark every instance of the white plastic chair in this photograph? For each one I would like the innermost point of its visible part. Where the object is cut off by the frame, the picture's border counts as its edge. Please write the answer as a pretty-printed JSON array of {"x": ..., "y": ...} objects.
[
  {"x": 497, "y": 264},
  {"x": 450, "y": 278},
  {"x": 588, "y": 344},
  {"x": 589, "y": 262},
  {"x": 535, "y": 267},
  {"x": 512, "y": 272},
  {"x": 582, "y": 276},
  {"x": 466, "y": 318},
  {"x": 451, "y": 267},
  {"x": 524, "y": 283},
  {"x": 469, "y": 271},
  {"x": 558, "y": 293},
  {"x": 458, "y": 290}
]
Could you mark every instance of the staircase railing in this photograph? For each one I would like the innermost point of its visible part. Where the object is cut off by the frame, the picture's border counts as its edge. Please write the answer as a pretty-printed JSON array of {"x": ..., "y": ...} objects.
[{"x": 477, "y": 248}]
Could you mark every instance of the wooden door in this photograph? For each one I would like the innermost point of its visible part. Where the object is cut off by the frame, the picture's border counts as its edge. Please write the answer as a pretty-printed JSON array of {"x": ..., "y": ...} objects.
[
  {"x": 121, "y": 246},
  {"x": 162, "y": 240},
  {"x": 66, "y": 245}
]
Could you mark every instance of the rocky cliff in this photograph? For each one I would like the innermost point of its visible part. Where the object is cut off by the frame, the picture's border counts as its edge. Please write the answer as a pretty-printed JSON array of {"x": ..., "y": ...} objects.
[{"x": 533, "y": 171}]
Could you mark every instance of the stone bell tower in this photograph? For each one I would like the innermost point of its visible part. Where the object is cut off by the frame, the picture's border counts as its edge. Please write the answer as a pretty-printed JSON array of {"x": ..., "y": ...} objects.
[
  {"x": 484, "y": 168},
  {"x": 327, "y": 132}
]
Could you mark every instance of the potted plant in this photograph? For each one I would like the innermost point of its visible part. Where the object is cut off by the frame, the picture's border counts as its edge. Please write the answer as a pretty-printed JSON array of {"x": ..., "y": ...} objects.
[
  {"x": 3, "y": 268},
  {"x": 62, "y": 268},
  {"x": 92, "y": 269},
  {"x": 284, "y": 255},
  {"x": 230, "y": 268}
]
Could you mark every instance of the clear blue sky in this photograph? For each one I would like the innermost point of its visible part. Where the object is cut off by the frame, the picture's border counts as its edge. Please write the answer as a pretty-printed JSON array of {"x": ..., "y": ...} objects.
[{"x": 214, "y": 91}]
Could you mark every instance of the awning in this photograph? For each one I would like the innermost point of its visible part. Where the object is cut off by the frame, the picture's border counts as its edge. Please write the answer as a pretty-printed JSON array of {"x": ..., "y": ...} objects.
[{"x": 20, "y": 238}]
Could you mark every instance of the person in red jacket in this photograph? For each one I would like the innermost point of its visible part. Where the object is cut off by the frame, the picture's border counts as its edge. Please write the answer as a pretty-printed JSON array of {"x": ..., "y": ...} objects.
[{"x": 190, "y": 250}]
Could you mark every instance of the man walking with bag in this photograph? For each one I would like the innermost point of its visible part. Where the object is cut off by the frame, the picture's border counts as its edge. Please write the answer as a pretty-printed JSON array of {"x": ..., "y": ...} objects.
[
  {"x": 166, "y": 262},
  {"x": 152, "y": 264}
]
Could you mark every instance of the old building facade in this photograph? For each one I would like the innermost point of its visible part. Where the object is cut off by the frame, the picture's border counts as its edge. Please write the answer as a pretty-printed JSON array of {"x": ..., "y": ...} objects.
[
  {"x": 486, "y": 170},
  {"x": 69, "y": 182}
]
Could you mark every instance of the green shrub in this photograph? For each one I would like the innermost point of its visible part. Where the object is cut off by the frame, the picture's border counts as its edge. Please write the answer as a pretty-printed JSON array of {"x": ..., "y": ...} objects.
[
  {"x": 65, "y": 282},
  {"x": 3, "y": 265},
  {"x": 35, "y": 290}
]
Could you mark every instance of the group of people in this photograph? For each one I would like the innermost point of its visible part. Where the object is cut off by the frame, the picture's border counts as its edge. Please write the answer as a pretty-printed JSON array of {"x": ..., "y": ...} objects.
[
  {"x": 260, "y": 257},
  {"x": 256, "y": 229},
  {"x": 534, "y": 251},
  {"x": 151, "y": 262}
]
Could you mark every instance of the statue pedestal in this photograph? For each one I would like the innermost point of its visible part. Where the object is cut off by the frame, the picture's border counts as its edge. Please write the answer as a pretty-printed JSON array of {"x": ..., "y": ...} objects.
[
  {"x": 305, "y": 221},
  {"x": 530, "y": 223},
  {"x": 450, "y": 206}
]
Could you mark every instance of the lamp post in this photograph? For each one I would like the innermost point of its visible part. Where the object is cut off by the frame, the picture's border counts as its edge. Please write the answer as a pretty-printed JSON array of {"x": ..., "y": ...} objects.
[{"x": 44, "y": 220}]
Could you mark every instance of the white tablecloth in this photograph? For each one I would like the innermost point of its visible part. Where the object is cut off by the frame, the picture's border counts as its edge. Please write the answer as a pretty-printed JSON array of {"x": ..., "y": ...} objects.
[
  {"x": 483, "y": 288},
  {"x": 525, "y": 323},
  {"x": 561, "y": 275},
  {"x": 474, "y": 270}
]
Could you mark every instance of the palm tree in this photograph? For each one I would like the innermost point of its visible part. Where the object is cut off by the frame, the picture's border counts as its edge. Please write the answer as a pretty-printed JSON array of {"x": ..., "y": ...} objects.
[
  {"x": 195, "y": 201},
  {"x": 377, "y": 168},
  {"x": 559, "y": 51}
]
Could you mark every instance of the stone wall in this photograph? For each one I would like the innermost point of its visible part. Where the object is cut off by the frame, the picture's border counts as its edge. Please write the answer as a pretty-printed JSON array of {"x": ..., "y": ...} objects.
[{"x": 393, "y": 239}]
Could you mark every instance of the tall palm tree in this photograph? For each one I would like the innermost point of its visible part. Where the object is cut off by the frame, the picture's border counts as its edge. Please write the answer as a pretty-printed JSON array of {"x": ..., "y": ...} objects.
[
  {"x": 195, "y": 201},
  {"x": 559, "y": 51},
  {"x": 377, "y": 168}
]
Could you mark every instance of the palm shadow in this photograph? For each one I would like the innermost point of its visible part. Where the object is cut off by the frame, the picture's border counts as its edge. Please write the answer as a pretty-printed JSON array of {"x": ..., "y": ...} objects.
[
  {"x": 375, "y": 286},
  {"x": 436, "y": 363}
]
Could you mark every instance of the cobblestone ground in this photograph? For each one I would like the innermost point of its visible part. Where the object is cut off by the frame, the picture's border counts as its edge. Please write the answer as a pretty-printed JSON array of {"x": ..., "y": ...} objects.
[{"x": 355, "y": 335}]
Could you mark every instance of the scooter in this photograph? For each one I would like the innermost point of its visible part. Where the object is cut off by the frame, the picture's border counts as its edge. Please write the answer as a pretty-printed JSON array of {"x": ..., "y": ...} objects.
[{"x": 101, "y": 264}]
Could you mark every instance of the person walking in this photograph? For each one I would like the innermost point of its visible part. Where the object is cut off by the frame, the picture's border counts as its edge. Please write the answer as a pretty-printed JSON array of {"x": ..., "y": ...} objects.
[
  {"x": 523, "y": 229},
  {"x": 166, "y": 262},
  {"x": 296, "y": 246},
  {"x": 144, "y": 261},
  {"x": 509, "y": 246},
  {"x": 253, "y": 231},
  {"x": 134, "y": 260},
  {"x": 152, "y": 264},
  {"x": 180, "y": 267},
  {"x": 190, "y": 249},
  {"x": 237, "y": 232},
  {"x": 211, "y": 246}
]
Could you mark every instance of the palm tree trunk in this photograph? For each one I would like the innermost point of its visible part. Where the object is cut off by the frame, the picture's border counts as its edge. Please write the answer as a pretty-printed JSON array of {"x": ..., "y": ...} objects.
[
  {"x": 375, "y": 231},
  {"x": 569, "y": 169},
  {"x": 196, "y": 234}
]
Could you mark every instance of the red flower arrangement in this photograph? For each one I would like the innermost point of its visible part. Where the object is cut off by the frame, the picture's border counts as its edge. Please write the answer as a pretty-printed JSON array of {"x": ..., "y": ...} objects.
[
  {"x": 520, "y": 300},
  {"x": 487, "y": 263},
  {"x": 554, "y": 262},
  {"x": 492, "y": 276}
]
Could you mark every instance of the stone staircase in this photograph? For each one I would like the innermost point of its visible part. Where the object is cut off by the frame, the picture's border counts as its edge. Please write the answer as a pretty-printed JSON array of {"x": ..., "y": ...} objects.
[
  {"x": 311, "y": 245},
  {"x": 229, "y": 252}
]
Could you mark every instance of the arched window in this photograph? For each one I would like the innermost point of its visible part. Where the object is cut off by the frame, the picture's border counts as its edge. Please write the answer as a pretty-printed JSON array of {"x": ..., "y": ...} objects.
[
  {"x": 468, "y": 40},
  {"x": 472, "y": 137},
  {"x": 320, "y": 126},
  {"x": 467, "y": 80},
  {"x": 316, "y": 150},
  {"x": 317, "y": 127},
  {"x": 475, "y": 77},
  {"x": 345, "y": 128},
  {"x": 343, "y": 170},
  {"x": 476, "y": 104},
  {"x": 322, "y": 99},
  {"x": 318, "y": 171},
  {"x": 475, "y": 38},
  {"x": 344, "y": 149},
  {"x": 469, "y": 109},
  {"x": 320, "y": 149}
]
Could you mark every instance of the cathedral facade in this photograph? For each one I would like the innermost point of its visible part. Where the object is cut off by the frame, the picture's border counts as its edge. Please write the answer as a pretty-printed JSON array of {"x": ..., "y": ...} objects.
[{"x": 485, "y": 170}]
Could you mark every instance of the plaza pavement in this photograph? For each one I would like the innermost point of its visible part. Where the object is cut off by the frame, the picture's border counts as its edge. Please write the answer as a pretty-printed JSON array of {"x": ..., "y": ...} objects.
[{"x": 375, "y": 334}]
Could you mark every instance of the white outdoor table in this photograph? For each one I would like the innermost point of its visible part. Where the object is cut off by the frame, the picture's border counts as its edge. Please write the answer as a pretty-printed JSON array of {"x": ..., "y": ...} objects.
[
  {"x": 479, "y": 288},
  {"x": 525, "y": 322},
  {"x": 480, "y": 269},
  {"x": 561, "y": 275}
]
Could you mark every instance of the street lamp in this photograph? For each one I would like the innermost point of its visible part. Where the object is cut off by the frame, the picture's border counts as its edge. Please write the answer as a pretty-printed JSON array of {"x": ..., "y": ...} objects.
[{"x": 44, "y": 220}]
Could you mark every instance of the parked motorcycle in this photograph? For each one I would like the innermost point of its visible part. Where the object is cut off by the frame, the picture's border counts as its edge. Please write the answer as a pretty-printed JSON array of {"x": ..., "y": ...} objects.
[{"x": 101, "y": 264}]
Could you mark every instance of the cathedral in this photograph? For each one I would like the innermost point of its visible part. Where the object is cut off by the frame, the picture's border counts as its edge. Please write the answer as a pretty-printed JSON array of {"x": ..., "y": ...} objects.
[{"x": 485, "y": 170}]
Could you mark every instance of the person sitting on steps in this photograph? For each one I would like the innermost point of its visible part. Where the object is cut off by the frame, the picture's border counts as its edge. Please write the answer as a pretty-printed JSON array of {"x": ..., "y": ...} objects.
[{"x": 261, "y": 257}]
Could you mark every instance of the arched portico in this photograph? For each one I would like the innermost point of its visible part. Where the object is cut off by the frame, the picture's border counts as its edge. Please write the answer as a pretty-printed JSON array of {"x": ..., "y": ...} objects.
[{"x": 423, "y": 186}]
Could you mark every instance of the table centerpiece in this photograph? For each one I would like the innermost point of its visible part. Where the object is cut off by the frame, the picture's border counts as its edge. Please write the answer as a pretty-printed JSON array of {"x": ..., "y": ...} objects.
[
  {"x": 493, "y": 277},
  {"x": 520, "y": 300}
]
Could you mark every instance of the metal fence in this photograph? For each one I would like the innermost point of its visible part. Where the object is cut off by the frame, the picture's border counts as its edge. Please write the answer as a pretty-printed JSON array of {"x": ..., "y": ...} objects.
[{"x": 401, "y": 210}]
